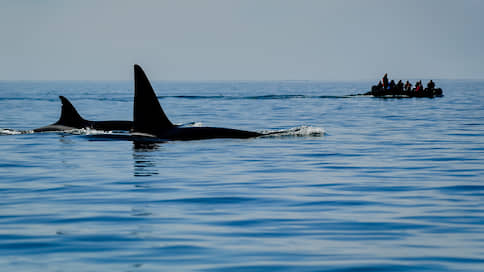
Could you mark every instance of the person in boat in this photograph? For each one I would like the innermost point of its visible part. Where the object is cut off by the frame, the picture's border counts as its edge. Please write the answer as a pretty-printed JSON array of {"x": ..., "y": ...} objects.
[
  {"x": 385, "y": 81},
  {"x": 376, "y": 89},
  {"x": 392, "y": 86},
  {"x": 399, "y": 88},
  {"x": 431, "y": 85},
  {"x": 418, "y": 86},
  {"x": 408, "y": 87}
]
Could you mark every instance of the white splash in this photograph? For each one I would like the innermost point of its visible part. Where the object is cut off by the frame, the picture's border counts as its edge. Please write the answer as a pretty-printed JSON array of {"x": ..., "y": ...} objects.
[
  {"x": 91, "y": 131},
  {"x": 8, "y": 131},
  {"x": 84, "y": 131},
  {"x": 301, "y": 131}
]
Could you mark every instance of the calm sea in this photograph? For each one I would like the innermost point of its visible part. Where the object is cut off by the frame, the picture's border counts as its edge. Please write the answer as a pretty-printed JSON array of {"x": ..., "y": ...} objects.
[{"x": 391, "y": 184}]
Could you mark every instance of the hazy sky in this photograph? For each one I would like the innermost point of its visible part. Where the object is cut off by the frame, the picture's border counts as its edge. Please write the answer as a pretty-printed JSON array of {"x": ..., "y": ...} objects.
[{"x": 246, "y": 39}]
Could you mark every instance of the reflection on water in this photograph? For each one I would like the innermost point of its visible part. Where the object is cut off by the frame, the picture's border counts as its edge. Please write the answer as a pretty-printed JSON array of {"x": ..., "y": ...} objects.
[{"x": 144, "y": 165}]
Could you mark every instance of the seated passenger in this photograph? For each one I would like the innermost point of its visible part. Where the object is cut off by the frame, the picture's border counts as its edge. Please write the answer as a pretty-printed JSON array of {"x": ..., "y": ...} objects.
[
  {"x": 375, "y": 89},
  {"x": 392, "y": 85},
  {"x": 418, "y": 86},
  {"x": 431, "y": 85},
  {"x": 408, "y": 86}
]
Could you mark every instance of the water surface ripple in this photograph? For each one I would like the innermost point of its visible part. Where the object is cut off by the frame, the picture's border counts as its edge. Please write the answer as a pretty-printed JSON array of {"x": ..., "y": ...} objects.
[{"x": 392, "y": 185}]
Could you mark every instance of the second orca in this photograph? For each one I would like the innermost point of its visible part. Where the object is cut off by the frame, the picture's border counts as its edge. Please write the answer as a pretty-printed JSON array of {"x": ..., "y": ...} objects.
[{"x": 70, "y": 119}]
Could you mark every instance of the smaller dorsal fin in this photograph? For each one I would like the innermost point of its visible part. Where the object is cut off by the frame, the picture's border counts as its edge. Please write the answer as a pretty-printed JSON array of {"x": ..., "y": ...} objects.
[
  {"x": 148, "y": 116},
  {"x": 69, "y": 115}
]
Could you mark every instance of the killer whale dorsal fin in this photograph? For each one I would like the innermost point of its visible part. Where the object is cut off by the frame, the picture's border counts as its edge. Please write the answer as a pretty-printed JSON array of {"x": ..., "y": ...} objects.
[
  {"x": 69, "y": 115},
  {"x": 148, "y": 116}
]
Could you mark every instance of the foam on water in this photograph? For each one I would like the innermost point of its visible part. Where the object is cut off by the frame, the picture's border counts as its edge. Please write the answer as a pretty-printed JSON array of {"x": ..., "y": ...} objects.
[
  {"x": 86, "y": 131},
  {"x": 301, "y": 131},
  {"x": 8, "y": 131},
  {"x": 75, "y": 131}
]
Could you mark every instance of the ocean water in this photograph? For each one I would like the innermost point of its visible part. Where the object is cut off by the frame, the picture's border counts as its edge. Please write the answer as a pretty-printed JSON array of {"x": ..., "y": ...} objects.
[{"x": 391, "y": 184}]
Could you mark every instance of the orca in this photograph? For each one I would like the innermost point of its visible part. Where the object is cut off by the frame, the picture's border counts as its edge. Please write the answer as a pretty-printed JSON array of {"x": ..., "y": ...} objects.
[
  {"x": 149, "y": 119},
  {"x": 70, "y": 119}
]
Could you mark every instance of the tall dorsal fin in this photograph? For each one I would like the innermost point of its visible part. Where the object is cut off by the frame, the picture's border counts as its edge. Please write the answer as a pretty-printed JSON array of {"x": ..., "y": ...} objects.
[
  {"x": 148, "y": 116},
  {"x": 69, "y": 115}
]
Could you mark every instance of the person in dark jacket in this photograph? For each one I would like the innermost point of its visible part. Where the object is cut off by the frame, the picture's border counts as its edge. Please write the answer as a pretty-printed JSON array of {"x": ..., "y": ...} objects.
[
  {"x": 392, "y": 85},
  {"x": 385, "y": 81},
  {"x": 408, "y": 87},
  {"x": 399, "y": 88}
]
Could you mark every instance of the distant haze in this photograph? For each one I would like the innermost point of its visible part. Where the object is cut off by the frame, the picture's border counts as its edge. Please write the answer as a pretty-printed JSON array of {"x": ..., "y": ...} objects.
[{"x": 241, "y": 40}]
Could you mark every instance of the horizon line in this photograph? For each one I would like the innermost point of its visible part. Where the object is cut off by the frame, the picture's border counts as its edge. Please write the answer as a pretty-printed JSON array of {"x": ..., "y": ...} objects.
[{"x": 240, "y": 80}]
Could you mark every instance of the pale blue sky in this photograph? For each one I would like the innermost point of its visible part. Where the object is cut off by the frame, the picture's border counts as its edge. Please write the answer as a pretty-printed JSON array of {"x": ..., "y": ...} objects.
[{"x": 246, "y": 40}]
